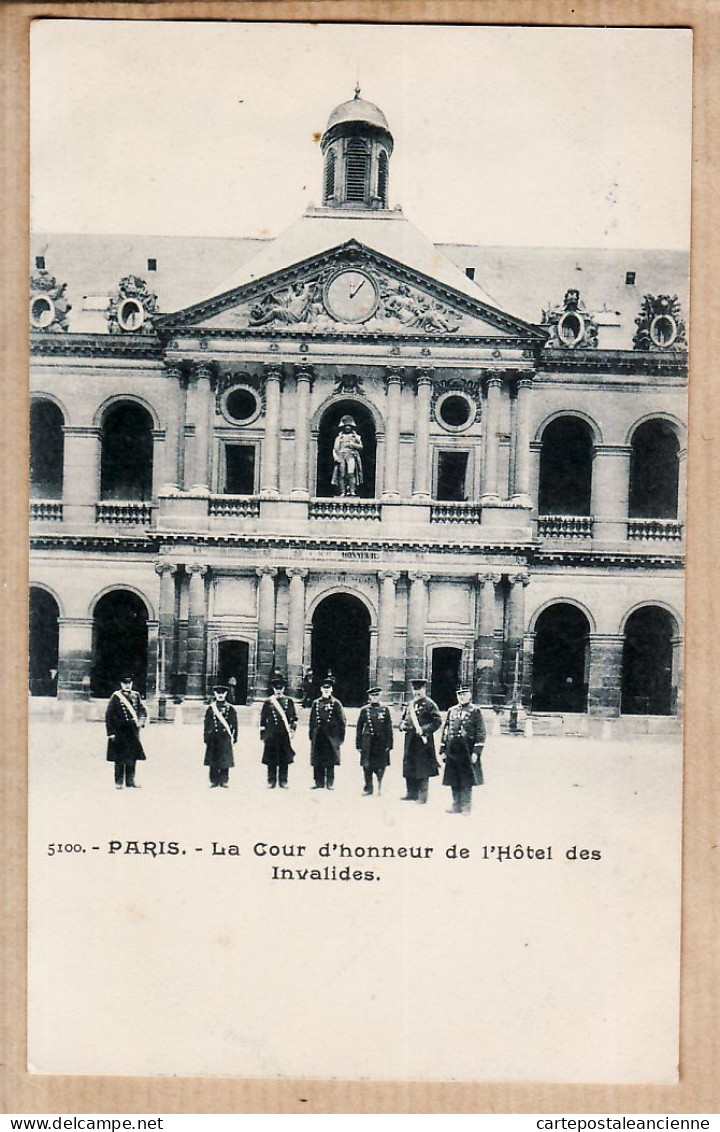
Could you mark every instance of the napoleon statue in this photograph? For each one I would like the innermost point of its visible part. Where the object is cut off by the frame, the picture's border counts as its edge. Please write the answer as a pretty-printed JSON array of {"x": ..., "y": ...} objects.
[{"x": 348, "y": 471}]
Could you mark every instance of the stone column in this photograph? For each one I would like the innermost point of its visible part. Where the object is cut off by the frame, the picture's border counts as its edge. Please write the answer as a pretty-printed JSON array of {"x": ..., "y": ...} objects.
[
  {"x": 196, "y": 631},
  {"x": 74, "y": 655},
  {"x": 174, "y": 428},
  {"x": 269, "y": 477},
  {"x": 522, "y": 442},
  {"x": 605, "y": 674},
  {"x": 514, "y": 630},
  {"x": 610, "y": 492},
  {"x": 159, "y": 437},
  {"x": 682, "y": 485},
  {"x": 492, "y": 426},
  {"x": 166, "y": 624},
  {"x": 266, "y": 629},
  {"x": 387, "y": 580},
  {"x": 81, "y": 474},
  {"x": 423, "y": 401},
  {"x": 393, "y": 385},
  {"x": 535, "y": 453},
  {"x": 296, "y": 630},
  {"x": 199, "y": 405},
  {"x": 303, "y": 384},
  {"x": 484, "y": 650},
  {"x": 417, "y": 619}
]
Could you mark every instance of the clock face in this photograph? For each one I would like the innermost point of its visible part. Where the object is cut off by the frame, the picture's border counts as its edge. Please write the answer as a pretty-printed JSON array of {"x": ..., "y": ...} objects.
[{"x": 351, "y": 296}]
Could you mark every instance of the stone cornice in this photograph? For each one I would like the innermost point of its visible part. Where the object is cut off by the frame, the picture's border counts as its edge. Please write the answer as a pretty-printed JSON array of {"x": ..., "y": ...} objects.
[
  {"x": 95, "y": 345},
  {"x": 671, "y": 363}
]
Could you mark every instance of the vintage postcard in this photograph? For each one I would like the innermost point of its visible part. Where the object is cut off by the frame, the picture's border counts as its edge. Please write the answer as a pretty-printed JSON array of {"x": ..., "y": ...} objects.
[{"x": 358, "y": 446}]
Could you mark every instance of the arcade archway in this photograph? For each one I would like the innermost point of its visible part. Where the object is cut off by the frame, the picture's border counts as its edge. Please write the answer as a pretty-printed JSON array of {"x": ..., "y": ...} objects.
[
  {"x": 43, "y": 644},
  {"x": 566, "y": 467},
  {"x": 648, "y": 687},
  {"x": 341, "y": 645},
  {"x": 120, "y": 642},
  {"x": 560, "y": 660},
  {"x": 126, "y": 463}
]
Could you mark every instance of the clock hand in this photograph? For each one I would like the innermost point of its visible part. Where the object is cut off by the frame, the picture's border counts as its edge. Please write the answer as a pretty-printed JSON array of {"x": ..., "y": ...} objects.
[{"x": 360, "y": 284}]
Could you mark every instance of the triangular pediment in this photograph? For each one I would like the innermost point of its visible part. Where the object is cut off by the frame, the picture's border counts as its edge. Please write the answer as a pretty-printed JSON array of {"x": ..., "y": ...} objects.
[{"x": 351, "y": 289}]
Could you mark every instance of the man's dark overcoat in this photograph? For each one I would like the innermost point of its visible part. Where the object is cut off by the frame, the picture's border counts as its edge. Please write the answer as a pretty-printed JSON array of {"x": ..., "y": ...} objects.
[
  {"x": 274, "y": 733},
  {"x": 419, "y": 759},
  {"x": 126, "y": 746},
  {"x": 374, "y": 738},
  {"x": 327, "y": 731},
  {"x": 218, "y": 744},
  {"x": 463, "y": 737}
]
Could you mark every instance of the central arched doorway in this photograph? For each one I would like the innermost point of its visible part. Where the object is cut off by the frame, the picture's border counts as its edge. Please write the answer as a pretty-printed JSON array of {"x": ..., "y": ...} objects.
[
  {"x": 560, "y": 660},
  {"x": 120, "y": 642},
  {"x": 341, "y": 645}
]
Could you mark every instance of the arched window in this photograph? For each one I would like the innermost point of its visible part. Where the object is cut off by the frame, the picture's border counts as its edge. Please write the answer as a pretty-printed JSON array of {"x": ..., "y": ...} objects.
[
  {"x": 127, "y": 453},
  {"x": 654, "y": 471},
  {"x": 356, "y": 170},
  {"x": 649, "y": 686},
  {"x": 330, "y": 176},
  {"x": 560, "y": 659},
  {"x": 382, "y": 186},
  {"x": 566, "y": 468},
  {"x": 327, "y": 434},
  {"x": 46, "y": 450},
  {"x": 43, "y": 645},
  {"x": 120, "y": 642}
]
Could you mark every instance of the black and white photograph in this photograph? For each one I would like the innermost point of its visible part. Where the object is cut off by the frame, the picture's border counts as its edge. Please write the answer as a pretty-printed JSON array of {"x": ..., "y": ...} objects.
[{"x": 358, "y": 438}]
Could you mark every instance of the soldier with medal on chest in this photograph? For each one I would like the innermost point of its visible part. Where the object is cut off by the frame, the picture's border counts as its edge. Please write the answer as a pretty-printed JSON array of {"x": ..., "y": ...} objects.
[
  {"x": 124, "y": 718},
  {"x": 374, "y": 739},
  {"x": 220, "y": 731},
  {"x": 327, "y": 731},
  {"x": 278, "y": 722},
  {"x": 420, "y": 719},
  {"x": 461, "y": 745}
]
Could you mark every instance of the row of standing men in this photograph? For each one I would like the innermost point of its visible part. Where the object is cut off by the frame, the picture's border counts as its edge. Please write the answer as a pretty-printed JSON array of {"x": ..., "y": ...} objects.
[{"x": 461, "y": 742}]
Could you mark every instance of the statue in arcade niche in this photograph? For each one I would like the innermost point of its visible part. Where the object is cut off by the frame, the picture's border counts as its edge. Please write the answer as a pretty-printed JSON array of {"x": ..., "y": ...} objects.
[{"x": 348, "y": 471}]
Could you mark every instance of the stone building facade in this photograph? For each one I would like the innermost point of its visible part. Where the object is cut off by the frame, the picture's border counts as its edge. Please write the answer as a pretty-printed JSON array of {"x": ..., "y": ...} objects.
[{"x": 519, "y": 520}]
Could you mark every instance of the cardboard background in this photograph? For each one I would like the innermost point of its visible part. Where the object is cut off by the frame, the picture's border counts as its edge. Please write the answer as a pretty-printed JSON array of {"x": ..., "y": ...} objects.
[{"x": 698, "y": 1091}]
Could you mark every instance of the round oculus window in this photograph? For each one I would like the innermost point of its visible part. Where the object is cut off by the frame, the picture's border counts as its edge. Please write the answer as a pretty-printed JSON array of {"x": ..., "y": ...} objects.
[
  {"x": 241, "y": 405},
  {"x": 571, "y": 328},
  {"x": 131, "y": 314},
  {"x": 42, "y": 311},
  {"x": 663, "y": 330},
  {"x": 455, "y": 411}
]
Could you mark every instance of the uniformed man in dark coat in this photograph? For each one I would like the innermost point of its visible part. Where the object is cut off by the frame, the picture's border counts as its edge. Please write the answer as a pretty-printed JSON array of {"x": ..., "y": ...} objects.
[
  {"x": 278, "y": 721},
  {"x": 327, "y": 731},
  {"x": 420, "y": 719},
  {"x": 124, "y": 718},
  {"x": 220, "y": 732},
  {"x": 461, "y": 746},
  {"x": 374, "y": 739}
]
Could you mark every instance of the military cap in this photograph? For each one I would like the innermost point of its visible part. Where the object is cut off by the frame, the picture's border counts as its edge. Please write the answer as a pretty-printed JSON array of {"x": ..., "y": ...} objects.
[
  {"x": 278, "y": 681},
  {"x": 327, "y": 682},
  {"x": 220, "y": 688},
  {"x": 419, "y": 682},
  {"x": 374, "y": 691}
]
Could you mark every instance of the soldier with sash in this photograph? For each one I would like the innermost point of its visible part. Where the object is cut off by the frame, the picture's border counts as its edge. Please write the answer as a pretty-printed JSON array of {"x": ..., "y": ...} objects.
[
  {"x": 374, "y": 739},
  {"x": 420, "y": 719},
  {"x": 461, "y": 746},
  {"x": 278, "y": 722},
  {"x": 327, "y": 731},
  {"x": 220, "y": 732},
  {"x": 124, "y": 718}
]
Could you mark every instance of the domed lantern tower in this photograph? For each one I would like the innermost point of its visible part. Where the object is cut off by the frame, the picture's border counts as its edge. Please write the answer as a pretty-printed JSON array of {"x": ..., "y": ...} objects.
[{"x": 356, "y": 145}]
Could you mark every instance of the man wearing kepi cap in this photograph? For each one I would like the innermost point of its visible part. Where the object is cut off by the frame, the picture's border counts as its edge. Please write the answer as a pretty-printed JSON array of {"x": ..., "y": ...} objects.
[
  {"x": 374, "y": 739},
  {"x": 124, "y": 718},
  {"x": 220, "y": 732},
  {"x": 278, "y": 721},
  {"x": 327, "y": 731},
  {"x": 461, "y": 746},
  {"x": 420, "y": 719}
]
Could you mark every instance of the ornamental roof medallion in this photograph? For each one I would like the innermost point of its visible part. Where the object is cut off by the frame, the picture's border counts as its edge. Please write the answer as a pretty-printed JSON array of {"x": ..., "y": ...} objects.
[
  {"x": 132, "y": 307},
  {"x": 48, "y": 306},
  {"x": 659, "y": 325},
  {"x": 571, "y": 325}
]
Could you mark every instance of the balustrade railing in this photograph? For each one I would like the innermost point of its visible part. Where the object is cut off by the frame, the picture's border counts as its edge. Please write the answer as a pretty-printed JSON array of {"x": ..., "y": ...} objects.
[
  {"x": 565, "y": 526},
  {"x": 128, "y": 512},
  {"x": 345, "y": 508},
  {"x": 235, "y": 506},
  {"x": 455, "y": 512},
  {"x": 667, "y": 530},
  {"x": 46, "y": 509}
]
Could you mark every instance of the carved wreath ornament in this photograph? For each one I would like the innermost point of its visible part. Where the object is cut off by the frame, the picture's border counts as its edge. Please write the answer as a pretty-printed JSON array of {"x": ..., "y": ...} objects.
[{"x": 131, "y": 308}]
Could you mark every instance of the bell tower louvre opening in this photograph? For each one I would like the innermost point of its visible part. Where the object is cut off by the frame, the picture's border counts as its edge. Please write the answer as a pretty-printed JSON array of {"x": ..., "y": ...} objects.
[{"x": 341, "y": 646}]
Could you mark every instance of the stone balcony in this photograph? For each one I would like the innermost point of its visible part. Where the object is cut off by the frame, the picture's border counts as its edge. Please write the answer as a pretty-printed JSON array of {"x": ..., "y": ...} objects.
[
  {"x": 565, "y": 526},
  {"x": 442, "y": 512},
  {"x": 124, "y": 512},
  {"x": 46, "y": 510},
  {"x": 663, "y": 530}
]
